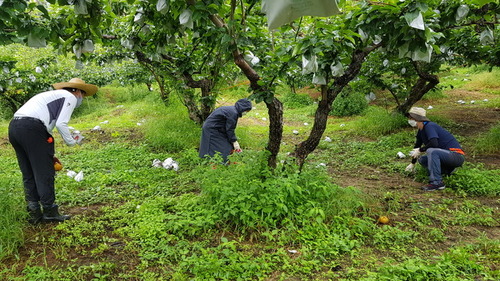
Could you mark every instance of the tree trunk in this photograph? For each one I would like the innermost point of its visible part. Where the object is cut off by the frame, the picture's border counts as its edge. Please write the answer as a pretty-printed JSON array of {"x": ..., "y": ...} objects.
[
  {"x": 319, "y": 126},
  {"x": 206, "y": 105},
  {"x": 189, "y": 102},
  {"x": 148, "y": 64},
  {"x": 325, "y": 105},
  {"x": 274, "y": 109},
  {"x": 424, "y": 84}
]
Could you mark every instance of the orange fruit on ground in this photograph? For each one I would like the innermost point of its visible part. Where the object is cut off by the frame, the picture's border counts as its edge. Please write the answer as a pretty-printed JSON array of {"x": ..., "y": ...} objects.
[
  {"x": 57, "y": 166},
  {"x": 383, "y": 220}
]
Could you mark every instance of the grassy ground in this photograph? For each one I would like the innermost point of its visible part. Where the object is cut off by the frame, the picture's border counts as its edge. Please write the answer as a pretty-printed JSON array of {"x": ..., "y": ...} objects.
[{"x": 132, "y": 221}]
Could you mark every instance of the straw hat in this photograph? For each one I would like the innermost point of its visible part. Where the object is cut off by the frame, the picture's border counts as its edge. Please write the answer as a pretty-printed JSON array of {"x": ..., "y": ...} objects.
[
  {"x": 77, "y": 83},
  {"x": 418, "y": 114}
]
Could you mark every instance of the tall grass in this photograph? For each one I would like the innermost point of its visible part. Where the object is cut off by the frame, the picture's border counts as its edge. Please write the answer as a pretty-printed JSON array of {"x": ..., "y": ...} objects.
[
  {"x": 485, "y": 81},
  {"x": 378, "y": 122},
  {"x": 263, "y": 199},
  {"x": 12, "y": 213},
  {"x": 489, "y": 142},
  {"x": 171, "y": 129},
  {"x": 118, "y": 94}
]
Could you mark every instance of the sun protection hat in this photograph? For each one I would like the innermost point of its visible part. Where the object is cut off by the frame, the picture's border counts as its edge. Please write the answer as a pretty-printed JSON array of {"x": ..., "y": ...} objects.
[
  {"x": 418, "y": 114},
  {"x": 77, "y": 83}
]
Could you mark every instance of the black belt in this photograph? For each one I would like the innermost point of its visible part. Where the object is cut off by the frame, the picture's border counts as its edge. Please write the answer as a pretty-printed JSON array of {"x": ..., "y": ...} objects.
[{"x": 27, "y": 118}]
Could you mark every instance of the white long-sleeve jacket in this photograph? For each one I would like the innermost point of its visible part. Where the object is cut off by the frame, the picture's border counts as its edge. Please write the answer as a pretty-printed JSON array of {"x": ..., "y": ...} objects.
[{"x": 54, "y": 109}]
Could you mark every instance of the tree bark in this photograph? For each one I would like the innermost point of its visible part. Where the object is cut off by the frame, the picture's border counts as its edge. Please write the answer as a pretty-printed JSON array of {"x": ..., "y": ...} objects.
[
  {"x": 328, "y": 95},
  {"x": 147, "y": 63},
  {"x": 424, "y": 84},
  {"x": 199, "y": 114},
  {"x": 274, "y": 109}
]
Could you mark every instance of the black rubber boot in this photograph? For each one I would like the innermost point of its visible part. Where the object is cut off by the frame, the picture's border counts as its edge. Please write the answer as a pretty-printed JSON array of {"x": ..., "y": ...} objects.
[
  {"x": 51, "y": 213},
  {"x": 35, "y": 212}
]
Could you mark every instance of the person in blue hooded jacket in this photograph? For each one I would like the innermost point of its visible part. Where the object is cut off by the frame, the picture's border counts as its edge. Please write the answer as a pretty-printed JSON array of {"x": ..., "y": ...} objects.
[{"x": 218, "y": 130}]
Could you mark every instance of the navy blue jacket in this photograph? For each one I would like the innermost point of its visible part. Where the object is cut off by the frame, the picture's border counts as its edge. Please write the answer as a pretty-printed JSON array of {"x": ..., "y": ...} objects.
[{"x": 218, "y": 129}]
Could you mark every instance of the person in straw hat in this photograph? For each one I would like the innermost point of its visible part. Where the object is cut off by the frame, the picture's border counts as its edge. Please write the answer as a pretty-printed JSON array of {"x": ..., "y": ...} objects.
[
  {"x": 30, "y": 133},
  {"x": 443, "y": 152}
]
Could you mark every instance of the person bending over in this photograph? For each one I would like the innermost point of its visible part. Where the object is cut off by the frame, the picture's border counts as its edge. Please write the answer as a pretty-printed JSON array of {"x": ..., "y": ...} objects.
[
  {"x": 30, "y": 133},
  {"x": 218, "y": 130}
]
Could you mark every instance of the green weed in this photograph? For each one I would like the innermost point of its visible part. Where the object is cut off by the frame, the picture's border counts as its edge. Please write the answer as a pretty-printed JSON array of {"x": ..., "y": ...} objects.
[
  {"x": 377, "y": 122},
  {"x": 475, "y": 180},
  {"x": 394, "y": 238},
  {"x": 130, "y": 94},
  {"x": 263, "y": 198},
  {"x": 486, "y": 81},
  {"x": 489, "y": 142},
  {"x": 349, "y": 103},
  {"x": 471, "y": 212},
  {"x": 169, "y": 132},
  {"x": 458, "y": 264},
  {"x": 295, "y": 100},
  {"x": 13, "y": 216}
]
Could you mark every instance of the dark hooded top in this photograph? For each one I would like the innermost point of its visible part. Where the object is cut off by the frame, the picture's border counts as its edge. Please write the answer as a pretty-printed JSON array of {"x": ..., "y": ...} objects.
[{"x": 218, "y": 129}]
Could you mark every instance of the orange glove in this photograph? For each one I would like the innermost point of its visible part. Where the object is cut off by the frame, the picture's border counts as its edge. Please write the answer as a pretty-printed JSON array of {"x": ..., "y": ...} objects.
[{"x": 57, "y": 164}]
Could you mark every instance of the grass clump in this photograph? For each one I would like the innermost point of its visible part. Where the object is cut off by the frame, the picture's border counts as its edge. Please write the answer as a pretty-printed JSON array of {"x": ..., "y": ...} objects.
[
  {"x": 264, "y": 198},
  {"x": 458, "y": 264},
  {"x": 13, "y": 218},
  {"x": 489, "y": 142},
  {"x": 486, "y": 81},
  {"x": 13, "y": 215},
  {"x": 475, "y": 180},
  {"x": 377, "y": 122},
  {"x": 349, "y": 103},
  {"x": 296, "y": 100},
  {"x": 171, "y": 130}
]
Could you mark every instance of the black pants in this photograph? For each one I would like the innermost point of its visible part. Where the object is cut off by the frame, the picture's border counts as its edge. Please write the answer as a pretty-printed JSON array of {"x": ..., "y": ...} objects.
[{"x": 35, "y": 154}]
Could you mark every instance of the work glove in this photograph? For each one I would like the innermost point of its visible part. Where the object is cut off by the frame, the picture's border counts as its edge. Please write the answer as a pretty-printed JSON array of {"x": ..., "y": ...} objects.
[
  {"x": 57, "y": 164},
  {"x": 415, "y": 153},
  {"x": 77, "y": 136},
  {"x": 236, "y": 147},
  {"x": 410, "y": 168}
]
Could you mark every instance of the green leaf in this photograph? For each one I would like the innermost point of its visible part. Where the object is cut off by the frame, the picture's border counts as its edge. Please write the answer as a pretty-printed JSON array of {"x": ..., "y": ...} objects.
[
  {"x": 269, "y": 100},
  {"x": 482, "y": 2},
  {"x": 428, "y": 34},
  {"x": 226, "y": 38},
  {"x": 436, "y": 49},
  {"x": 422, "y": 7},
  {"x": 42, "y": 9}
]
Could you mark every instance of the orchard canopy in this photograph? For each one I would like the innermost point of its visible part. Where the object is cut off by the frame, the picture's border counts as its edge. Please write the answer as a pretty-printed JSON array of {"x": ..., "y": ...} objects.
[{"x": 194, "y": 47}]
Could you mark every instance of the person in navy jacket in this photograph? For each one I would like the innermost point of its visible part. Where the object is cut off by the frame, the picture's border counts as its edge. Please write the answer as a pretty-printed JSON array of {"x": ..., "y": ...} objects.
[
  {"x": 30, "y": 133},
  {"x": 218, "y": 130},
  {"x": 443, "y": 152}
]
